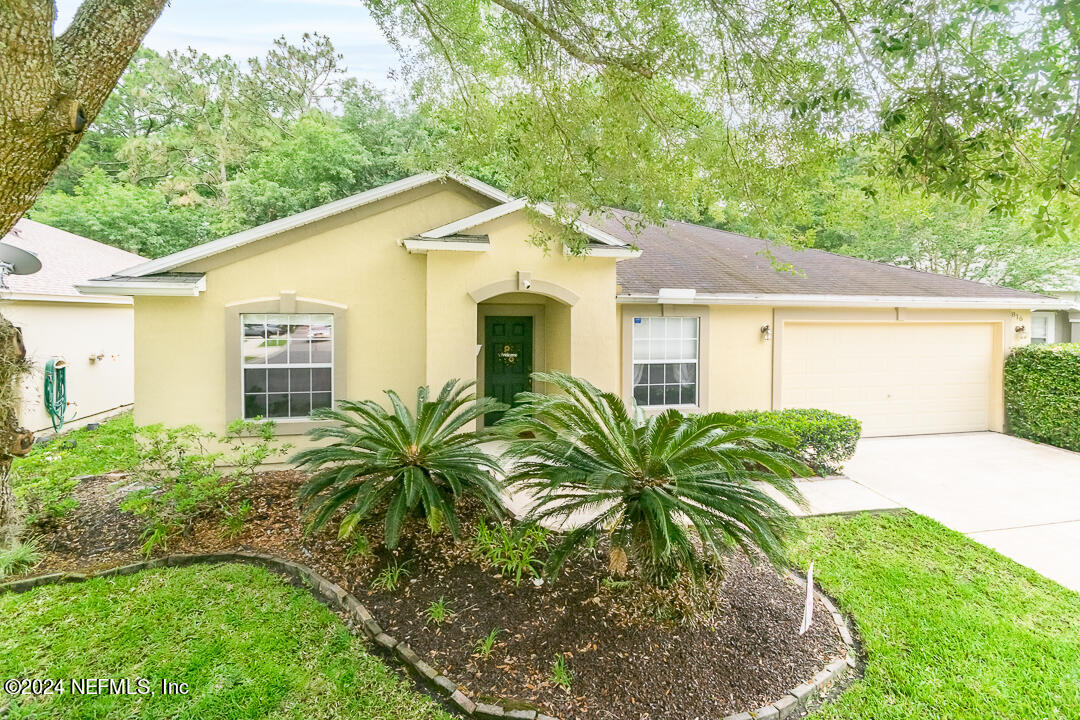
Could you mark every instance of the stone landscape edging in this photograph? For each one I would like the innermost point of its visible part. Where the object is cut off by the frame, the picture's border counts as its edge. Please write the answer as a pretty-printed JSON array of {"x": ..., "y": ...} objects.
[{"x": 337, "y": 598}]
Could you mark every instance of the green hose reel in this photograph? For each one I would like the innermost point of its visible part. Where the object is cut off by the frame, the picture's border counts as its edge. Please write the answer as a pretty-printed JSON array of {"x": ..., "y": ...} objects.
[{"x": 56, "y": 392}]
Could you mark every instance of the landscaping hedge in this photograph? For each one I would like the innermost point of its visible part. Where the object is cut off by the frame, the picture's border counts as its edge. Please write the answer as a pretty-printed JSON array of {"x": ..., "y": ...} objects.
[
  {"x": 1042, "y": 394},
  {"x": 825, "y": 440}
]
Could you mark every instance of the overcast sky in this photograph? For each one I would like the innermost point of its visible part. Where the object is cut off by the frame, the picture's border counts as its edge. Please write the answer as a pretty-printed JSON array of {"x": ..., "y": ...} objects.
[{"x": 246, "y": 28}]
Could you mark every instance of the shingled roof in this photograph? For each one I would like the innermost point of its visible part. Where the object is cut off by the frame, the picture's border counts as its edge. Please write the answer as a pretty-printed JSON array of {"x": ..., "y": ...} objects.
[
  {"x": 716, "y": 262},
  {"x": 67, "y": 259}
]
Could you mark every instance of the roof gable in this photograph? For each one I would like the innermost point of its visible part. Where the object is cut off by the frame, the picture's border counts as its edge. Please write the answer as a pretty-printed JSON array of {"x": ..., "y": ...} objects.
[
  {"x": 260, "y": 232},
  {"x": 467, "y": 223}
]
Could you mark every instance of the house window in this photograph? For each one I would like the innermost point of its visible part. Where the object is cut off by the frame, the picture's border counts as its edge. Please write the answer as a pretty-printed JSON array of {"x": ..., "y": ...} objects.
[
  {"x": 665, "y": 361},
  {"x": 287, "y": 364},
  {"x": 1042, "y": 328}
]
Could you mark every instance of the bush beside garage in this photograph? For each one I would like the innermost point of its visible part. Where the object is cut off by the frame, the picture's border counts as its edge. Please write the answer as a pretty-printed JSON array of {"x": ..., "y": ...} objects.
[{"x": 1042, "y": 394}]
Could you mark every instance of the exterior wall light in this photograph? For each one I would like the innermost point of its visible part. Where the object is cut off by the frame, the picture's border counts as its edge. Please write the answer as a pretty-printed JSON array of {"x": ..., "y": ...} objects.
[
  {"x": 1020, "y": 329},
  {"x": 766, "y": 332}
]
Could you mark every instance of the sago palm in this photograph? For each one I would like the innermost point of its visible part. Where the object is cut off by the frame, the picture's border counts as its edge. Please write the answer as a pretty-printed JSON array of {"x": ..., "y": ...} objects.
[
  {"x": 399, "y": 461},
  {"x": 672, "y": 491}
]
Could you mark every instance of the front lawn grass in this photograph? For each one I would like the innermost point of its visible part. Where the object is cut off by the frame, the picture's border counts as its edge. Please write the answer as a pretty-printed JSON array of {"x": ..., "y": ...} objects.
[
  {"x": 248, "y": 645},
  {"x": 951, "y": 628}
]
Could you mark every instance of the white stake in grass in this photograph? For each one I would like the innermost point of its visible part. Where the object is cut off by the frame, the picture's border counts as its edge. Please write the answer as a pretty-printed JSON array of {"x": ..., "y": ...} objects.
[{"x": 808, "y": 611}]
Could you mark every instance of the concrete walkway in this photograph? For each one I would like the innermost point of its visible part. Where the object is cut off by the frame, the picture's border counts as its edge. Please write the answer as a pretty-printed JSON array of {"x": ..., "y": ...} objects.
[{"x": 1018, "y": 497}]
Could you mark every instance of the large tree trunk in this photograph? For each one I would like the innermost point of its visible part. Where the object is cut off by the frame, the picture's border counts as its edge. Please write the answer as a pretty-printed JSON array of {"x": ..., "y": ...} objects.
[
  {"x": 51, "y": 88},
  {"x": 14, "y": 440}
]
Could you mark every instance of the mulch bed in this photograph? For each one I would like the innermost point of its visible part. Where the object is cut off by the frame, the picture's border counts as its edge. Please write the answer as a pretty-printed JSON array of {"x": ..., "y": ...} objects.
[{"x": 746, "y": 653}]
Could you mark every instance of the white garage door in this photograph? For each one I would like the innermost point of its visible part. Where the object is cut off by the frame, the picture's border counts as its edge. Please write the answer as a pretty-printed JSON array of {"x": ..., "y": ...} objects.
[{"x": 898, "y": 379}]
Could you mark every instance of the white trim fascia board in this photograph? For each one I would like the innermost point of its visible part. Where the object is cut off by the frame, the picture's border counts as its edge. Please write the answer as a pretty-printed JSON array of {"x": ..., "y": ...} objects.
[
  {"x": 421, "y": 247},
  {"x": 133, "y": 286},
  {"x": 57, "y": 298},
  {"x": 481, "y": 187},
  {"x": 619, "y": 253},
  {"x": 804, "y": 300},
  {"x": 471, "y": 221},
  {"x": 199, "y": 252}
]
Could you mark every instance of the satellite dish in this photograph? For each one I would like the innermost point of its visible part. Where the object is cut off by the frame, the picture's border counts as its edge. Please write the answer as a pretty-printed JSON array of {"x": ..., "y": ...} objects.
[{"x": 16, "y": 261}]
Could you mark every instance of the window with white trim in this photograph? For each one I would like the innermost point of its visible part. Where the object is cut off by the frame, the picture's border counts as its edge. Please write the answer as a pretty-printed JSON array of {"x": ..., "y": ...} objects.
[
  {"x": 665, "y": 361},
  {"x": 287, "y": 364},
  {"x": 1042, "y": 328}
]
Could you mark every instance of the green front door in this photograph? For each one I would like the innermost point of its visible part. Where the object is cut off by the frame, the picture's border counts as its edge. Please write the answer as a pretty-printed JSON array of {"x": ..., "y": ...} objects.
[{"x": 508, "y": 359}]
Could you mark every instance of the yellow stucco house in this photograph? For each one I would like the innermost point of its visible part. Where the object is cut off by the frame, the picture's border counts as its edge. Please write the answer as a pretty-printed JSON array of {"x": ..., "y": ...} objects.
[{"x": 434, "y": 277}]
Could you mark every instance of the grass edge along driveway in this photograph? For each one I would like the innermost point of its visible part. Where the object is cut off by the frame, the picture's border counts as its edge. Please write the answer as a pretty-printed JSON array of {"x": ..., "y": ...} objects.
[{"x": 951, "y": 628}]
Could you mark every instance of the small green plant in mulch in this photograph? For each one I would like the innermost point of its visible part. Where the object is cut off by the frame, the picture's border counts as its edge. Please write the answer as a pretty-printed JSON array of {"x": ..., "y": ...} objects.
[
  {"x": 45, "y": 479},
  {"x": 486, "y": 644},
  {"x": 19, "y": 557},
  {"x": 360, "y": 548},
  {"x": 233, "y": 522},
  {"x": 390, "y": 576},
  {"x": 611, "y": 583},
  {"x": 515, "y": 552},
  {"x": 182, "y": 477},
  {"x": 561, "y": 675},
  {"x": 438, "y": 612}
]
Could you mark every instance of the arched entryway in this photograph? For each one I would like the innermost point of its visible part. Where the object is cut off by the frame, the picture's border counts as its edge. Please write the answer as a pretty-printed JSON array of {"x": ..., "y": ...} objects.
[{"x": 518, "y": 333}]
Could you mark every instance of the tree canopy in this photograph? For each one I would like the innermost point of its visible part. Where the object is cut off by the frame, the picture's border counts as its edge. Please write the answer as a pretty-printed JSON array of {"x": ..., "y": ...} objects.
[
  {"x": 679, "y": 103},
  {"x": 191, "y": 147}
]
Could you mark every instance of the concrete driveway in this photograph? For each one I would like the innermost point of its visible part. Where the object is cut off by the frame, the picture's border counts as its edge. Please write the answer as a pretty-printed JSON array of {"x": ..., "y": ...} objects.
[{"x": 1018, "y": 497}]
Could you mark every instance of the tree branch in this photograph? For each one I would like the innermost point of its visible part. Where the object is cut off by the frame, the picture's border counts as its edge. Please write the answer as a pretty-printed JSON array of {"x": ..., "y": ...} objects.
[
  {"x": 95, "y": 50},
  {"x": 568, "y": 45}
]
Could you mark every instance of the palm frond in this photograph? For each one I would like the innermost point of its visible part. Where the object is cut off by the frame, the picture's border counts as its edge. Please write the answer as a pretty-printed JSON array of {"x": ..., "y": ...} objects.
[
  {"x": 400, "y": 461},
  {"x": 674, "y": 490}
]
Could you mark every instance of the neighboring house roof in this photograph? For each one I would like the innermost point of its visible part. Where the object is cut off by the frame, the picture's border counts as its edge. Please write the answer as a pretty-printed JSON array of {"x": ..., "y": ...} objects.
[
  {"x": 66, "y": 260},
  {"x": 721, "y": 265}
]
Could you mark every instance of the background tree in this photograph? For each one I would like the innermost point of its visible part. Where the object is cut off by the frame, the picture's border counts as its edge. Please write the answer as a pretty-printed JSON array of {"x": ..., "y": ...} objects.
[{"x": 204, "y": 147}]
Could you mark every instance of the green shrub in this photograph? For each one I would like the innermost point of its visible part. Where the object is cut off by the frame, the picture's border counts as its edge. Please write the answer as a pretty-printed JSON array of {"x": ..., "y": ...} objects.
[
  {"x": 1042, "y": 394},
  {"x": 19, "y": 557},
  {"x": 45, "y": 479},
  {"x": 182, "y": 479},
  {"x": 823, "y": 440}
]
